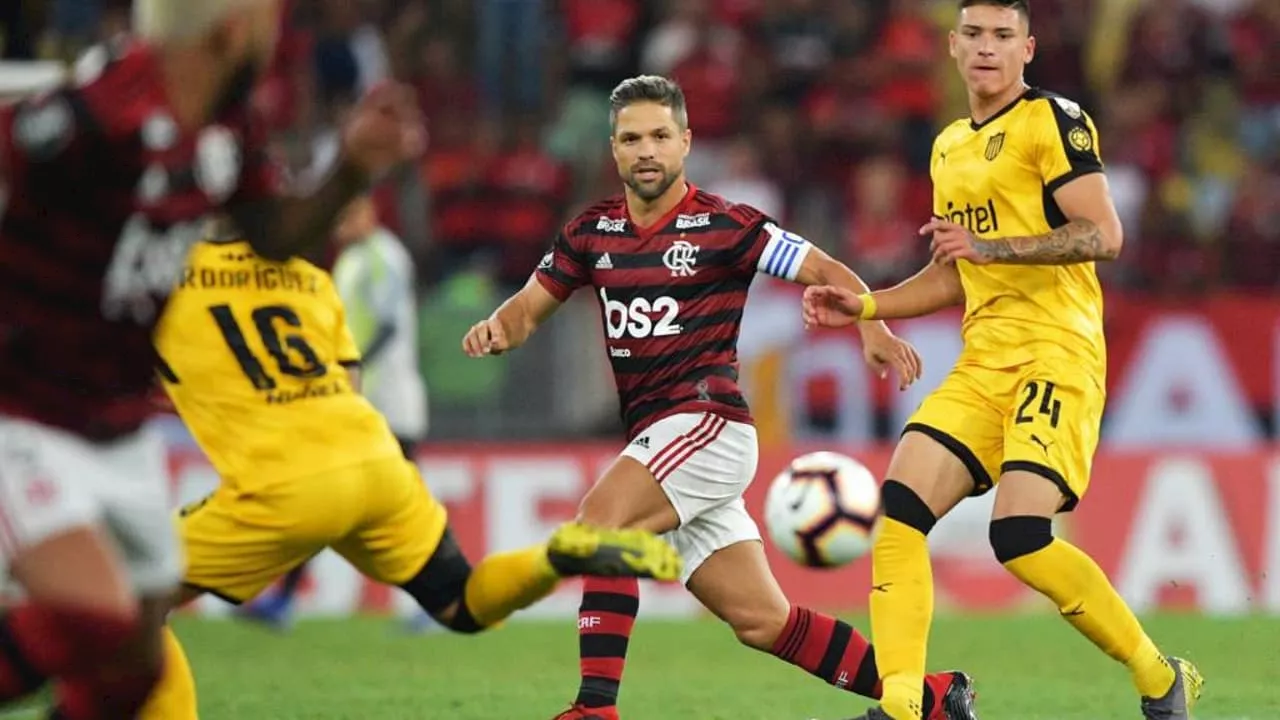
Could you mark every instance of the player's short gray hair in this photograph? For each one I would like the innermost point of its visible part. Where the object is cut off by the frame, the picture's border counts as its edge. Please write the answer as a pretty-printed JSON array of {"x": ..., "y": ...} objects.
[
  {"x": 649, "y": 88},
  {"x": 169, "y": 20}
]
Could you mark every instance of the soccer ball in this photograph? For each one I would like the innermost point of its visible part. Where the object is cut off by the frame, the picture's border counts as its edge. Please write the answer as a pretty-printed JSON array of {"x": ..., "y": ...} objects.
[{"x": 822, "y": 510}]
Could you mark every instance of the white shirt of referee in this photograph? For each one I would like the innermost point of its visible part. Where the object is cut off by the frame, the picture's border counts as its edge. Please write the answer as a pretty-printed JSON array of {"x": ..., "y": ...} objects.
[{"x": 374, "y": 274}]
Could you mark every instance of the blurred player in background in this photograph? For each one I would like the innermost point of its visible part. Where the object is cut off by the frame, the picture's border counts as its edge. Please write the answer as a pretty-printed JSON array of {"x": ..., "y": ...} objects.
[
  {"x": 375, "y": 278},
  {"x": 260, "y": 365},
  {"x": 108, "y": 180},
  {"x": 671, "y": 266},
  {"x": 1022, "y": 213}
]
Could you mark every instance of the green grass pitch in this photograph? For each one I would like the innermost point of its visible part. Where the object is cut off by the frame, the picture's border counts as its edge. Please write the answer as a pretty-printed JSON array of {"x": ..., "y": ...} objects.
[{"x": 1027, "y": 668}]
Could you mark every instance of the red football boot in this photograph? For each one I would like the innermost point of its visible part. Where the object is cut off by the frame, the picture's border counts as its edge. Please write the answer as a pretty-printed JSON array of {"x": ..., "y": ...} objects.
[
  {"x": 953, "y": 696},
  {"x": 578, "y": 711}
]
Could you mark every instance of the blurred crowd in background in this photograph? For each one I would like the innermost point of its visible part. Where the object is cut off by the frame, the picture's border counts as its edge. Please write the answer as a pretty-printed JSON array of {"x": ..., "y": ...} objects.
[{"x": 819, "y": 112}]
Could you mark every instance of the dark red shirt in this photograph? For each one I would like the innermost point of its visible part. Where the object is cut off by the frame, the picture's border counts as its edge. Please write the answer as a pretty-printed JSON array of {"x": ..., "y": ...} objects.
[
  {"x": 671, "y": 297},
  {"x": 105, "y": 194}
]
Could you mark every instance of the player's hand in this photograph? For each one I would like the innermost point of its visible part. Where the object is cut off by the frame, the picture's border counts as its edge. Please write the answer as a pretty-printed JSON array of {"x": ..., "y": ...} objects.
[
  {"x": 951, "y": 242},
  {"x": 486, "y": 337},
  {"x": 385, "y": 129},
  {"x": 884, "y": 351},
  {"x": 825, "y": 306}
]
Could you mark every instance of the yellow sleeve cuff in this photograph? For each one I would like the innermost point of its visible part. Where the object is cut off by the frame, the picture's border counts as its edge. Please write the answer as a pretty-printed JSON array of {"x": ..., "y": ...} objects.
[{"x": 868, "y": 306}]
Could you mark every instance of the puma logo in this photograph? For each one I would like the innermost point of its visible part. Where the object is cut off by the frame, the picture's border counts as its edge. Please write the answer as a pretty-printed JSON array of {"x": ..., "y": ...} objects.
[
  {"x": 1043, "y": 445},
  {"x": 883, "y": 587}
]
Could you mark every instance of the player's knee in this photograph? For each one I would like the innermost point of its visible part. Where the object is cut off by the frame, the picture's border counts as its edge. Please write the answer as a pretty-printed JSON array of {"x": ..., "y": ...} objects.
[
  {"x": 757, "y": 626},
  {"x": 1019, "y": 536},
  {"x": 440, "y": 587},
  {"x": 903, "y": 505}
]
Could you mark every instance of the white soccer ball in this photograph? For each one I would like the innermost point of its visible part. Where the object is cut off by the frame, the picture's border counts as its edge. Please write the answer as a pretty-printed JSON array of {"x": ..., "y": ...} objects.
[{"x": 823, "y": 509}]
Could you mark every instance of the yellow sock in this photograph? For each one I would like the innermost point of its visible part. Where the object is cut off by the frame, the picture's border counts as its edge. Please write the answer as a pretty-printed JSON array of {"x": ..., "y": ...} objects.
[
  {"x": 1087, "y": 600},
  {"x": 901, "y": 612},
  {"x": 503, "y": 583},
  {"x": 175, "y": 696}
]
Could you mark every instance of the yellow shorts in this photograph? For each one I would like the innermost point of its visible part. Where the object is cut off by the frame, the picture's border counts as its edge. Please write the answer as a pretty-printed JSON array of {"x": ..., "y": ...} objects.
[
  {"x": 379, "y": 515},
  {"x": 1040, "y": 417}
]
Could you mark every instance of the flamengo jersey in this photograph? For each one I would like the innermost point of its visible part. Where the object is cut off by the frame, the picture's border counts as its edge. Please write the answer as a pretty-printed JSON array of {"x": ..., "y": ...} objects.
[
  {"x": 671, "y": 297},
  {"x": 253, "y": 360},
  {"x": 105, "y": 194}
]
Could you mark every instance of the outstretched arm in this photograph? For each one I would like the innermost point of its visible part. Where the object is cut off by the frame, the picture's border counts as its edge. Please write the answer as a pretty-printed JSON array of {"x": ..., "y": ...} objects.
[
  {"x": 823, "y": 273},
  {"x": 932, "y": 289},
  {"x": 513, "y": 322},
  {"x": 935, "y": 287}
]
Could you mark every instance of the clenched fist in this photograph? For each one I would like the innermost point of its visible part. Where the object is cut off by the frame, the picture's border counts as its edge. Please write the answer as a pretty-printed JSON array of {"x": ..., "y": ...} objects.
[{"x": 486, "y": 337}]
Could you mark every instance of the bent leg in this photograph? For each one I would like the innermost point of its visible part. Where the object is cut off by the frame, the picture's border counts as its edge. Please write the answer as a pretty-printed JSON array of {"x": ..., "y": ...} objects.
[
  {"x": 736, "y": 584},
  {"x": 1022, "y": 538}
]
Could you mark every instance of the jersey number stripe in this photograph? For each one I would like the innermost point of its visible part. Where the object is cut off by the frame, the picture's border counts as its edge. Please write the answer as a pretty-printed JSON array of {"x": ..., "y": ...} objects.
[{"x": 278, "y": 346}]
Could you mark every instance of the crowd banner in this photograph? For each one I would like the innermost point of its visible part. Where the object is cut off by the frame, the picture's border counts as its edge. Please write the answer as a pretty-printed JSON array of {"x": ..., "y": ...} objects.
[{"x": 1197, "y": 530}]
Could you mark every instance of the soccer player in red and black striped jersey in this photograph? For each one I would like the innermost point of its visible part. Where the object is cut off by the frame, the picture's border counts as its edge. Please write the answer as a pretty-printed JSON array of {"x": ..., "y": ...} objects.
[
  {"x": 108, "y": 180},
  {"x": 670, "y": 266}
]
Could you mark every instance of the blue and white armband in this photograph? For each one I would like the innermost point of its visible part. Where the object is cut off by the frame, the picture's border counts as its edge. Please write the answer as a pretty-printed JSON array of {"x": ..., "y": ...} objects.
[{"x": 783, "y": 254}]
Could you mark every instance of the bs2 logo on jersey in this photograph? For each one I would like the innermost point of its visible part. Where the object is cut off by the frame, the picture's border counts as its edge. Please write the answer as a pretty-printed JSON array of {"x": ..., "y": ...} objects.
[{"x": 640, "y": 318}]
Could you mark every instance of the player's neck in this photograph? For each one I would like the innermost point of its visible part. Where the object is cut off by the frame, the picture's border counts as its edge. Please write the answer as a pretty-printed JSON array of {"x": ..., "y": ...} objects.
[
  {"x": 190, "y": 88},
  {"x": 646, "y": 212},
  {"x": 983, "y": 109}
]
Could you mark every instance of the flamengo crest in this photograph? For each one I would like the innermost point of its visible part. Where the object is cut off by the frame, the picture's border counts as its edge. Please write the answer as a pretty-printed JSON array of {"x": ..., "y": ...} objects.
[{"x": 680, "y": 258}]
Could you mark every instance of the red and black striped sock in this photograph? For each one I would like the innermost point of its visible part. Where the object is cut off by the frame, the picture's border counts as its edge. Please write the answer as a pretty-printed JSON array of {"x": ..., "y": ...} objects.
[
  {"x": 106, "y": 694},
  {"x": 38, "y": 643},
  {"x": 605, "y": 618},
  {"x": 833, "y": 651}
]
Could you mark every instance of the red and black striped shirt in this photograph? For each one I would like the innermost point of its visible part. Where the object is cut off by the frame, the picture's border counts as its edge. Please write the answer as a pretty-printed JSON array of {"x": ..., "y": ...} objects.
[
  {"x": 104, "y": 194},
  {"x": 671, "y": 297}
]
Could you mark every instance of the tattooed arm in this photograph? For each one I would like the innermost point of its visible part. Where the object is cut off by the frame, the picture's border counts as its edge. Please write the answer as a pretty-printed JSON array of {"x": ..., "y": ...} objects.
[
  {"x": 1077, "y": 241},
  {"x": 1092, "y": 233}
]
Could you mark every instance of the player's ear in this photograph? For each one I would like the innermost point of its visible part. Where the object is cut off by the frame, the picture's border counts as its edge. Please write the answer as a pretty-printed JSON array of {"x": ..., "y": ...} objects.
[
  {"x": 687, "y": 139},
  {"x": 1030, "y": 53},
  {"x": 951, "y": 43}
]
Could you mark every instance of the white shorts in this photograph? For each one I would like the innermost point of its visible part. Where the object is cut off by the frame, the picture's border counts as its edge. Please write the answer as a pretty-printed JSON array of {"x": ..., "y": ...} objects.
[
  {"x": 704, "y": 464},
  {"x": 52, "y": 481}
]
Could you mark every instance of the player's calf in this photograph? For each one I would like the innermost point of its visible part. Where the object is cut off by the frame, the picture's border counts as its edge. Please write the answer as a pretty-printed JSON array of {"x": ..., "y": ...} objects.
[
  {"x": 1022, "y": 537},
  {"x": 736, "y": 584}
]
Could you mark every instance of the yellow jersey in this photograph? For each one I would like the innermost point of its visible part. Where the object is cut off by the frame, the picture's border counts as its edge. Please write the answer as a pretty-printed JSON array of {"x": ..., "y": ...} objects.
[
  {"x": 254, "y": 355},
  {"x": 997, "y": 179}
]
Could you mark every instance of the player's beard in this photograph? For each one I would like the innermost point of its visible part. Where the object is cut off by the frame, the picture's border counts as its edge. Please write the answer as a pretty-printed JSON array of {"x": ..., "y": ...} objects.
[{"x": 652, "y": 192}]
